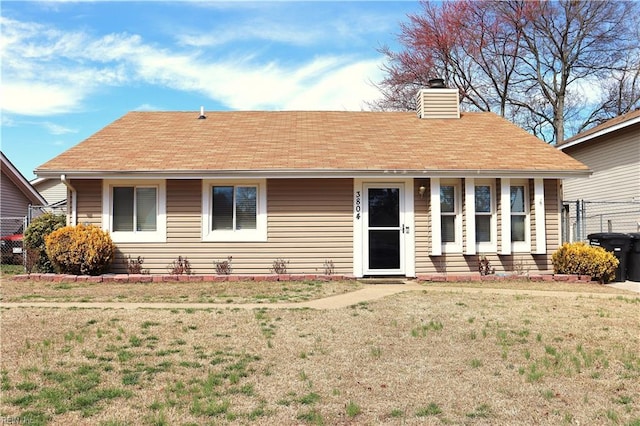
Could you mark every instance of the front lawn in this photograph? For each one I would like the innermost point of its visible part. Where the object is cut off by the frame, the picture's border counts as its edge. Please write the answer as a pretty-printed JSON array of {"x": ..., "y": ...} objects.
[
  {"x": 438, "y": 356},
  {"x": 174, "y": 292}
]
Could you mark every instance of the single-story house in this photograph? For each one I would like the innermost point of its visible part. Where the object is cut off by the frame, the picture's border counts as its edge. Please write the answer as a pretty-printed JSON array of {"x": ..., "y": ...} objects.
[
  {"x": 371, "y": 193},
  {"x": 609, "y": 199}
]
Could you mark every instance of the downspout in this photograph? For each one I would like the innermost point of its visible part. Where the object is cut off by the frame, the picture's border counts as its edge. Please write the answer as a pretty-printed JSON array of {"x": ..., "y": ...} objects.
[{"x": 74, "y": 199}]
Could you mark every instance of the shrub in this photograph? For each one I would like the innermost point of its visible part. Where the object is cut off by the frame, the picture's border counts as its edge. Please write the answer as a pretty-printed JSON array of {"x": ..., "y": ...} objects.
[
  {"x": 484, "y": 266},
  {"x": 134, "y": 266},
  {"x": 180, "y": 266},
  {"x": 583, "y": 259},
  {"x": 34, "y": 242},
  {"x": 224, "y": 267},
  {"x": 328, "y": 267},
  {"x": 80, "y": 250},
  {"x": 279, "y": 266}
]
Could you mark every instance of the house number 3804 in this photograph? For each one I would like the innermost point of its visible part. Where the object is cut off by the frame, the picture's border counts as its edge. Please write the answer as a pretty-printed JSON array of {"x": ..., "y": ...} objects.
[{"x": 358, "y": 206}]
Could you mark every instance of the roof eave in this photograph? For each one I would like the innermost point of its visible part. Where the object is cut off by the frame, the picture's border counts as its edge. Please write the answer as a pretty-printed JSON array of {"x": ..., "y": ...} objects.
[
  {"x": 312, "y": 173},
  {"x": 21, "y": 182},
  {"x": 602, "y": 132}
]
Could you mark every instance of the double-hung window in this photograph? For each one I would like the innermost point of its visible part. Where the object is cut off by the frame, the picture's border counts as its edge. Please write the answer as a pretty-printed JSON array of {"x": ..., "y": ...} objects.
[
  {"x": 519, "y": 207},
  {"x": 134, "y": 211},
  {"x": 450, "y": 217},
  {"x": 135, "y": 208},
  {"x": 485, "y": 216},
  {"x": 234, "y": 211}
]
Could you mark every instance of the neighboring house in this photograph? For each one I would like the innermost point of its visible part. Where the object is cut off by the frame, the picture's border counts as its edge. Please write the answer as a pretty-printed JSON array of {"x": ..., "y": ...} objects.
[
  {"x": 375, "y": 193},
  {"x": 611, "y": 195},
  {"x": 52, "y": 190},
  {"x": 15, "y": 197}
]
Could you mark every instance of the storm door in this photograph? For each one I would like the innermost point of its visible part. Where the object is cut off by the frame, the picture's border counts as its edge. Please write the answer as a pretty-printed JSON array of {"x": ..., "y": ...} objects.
[{"x": 384, "y": 229}]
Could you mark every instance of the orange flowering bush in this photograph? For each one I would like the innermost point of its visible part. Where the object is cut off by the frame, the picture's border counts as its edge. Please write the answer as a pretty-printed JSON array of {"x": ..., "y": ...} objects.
[
  {"x": 80, "y": 250},
  {"x": 582, "y": 259}
]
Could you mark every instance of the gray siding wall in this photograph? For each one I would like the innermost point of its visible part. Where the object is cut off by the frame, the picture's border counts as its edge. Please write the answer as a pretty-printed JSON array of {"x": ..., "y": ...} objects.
[
  {"x": 52, "y": 190},
  {"x": 13, "y": 202},
  {"x": 615, "y": 162}
]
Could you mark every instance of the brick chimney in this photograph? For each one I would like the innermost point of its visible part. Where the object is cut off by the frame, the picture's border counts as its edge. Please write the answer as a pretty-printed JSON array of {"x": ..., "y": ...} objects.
[{"x": 437, "y": 101}]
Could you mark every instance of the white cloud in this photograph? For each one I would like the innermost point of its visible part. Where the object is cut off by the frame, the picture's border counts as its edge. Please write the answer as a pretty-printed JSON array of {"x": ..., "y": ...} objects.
[
  {"x": 56, "y": 129},
  {"x": 39, "y": 99},
  {"x": 147, "y": 107},
  {"x": 47, "y": 71},
  {"x": 7, "y": 121}
]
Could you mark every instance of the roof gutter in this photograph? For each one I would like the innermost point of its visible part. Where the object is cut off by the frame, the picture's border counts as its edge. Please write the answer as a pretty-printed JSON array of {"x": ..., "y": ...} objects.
[
  {"x": 74, "y": 199},
  {"x": 602, "y": 132},
  {"x": 316, "y": 173}
]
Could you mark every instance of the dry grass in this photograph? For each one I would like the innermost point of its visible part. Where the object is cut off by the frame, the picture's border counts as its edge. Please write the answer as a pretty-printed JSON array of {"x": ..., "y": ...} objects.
[
  {"x": 423, "y": 357},
  {"x": 192, "y": 292}
]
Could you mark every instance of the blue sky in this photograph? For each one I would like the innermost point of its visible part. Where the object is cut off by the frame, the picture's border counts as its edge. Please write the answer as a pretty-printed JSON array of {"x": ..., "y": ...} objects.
[{"x": 70, "y": 68}]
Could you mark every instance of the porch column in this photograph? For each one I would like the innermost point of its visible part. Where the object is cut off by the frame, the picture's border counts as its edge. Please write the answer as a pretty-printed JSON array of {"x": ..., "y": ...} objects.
[
  {"x": 470, "y": 214},
  {"x": 505, "y": 215},
  {"x": 436, "y": 227},
  {"x": 540, "y": 217}
]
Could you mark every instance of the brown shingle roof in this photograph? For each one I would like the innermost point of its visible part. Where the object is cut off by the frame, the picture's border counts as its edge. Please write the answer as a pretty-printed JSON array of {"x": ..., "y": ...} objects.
[{"x": 309, "y": 140}]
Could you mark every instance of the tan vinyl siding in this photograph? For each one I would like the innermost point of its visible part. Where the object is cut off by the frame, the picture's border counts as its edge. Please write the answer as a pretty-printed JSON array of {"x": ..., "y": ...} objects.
[
  {"x": 438, "y": 103},
  {"x": 184, "y": 213},
  {"x": 89, "y": 204},
  {"x": 422, "y": 217},
  {"x": 452, "y": 263},
  {"x": 309, "y": 221}
]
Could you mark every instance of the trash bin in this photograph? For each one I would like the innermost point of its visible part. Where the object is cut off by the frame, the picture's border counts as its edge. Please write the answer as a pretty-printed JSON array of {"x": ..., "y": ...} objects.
[
  {"x": 633, "y": 258},
  {"x": 618, "y": 244}
]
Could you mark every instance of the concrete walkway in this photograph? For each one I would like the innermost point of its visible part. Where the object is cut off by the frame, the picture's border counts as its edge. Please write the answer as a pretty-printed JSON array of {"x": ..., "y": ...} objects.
[
  {"x": 627, "y": 285},
  {"x": 338, "y": 301},
  {"x": 367, "y": 293}
]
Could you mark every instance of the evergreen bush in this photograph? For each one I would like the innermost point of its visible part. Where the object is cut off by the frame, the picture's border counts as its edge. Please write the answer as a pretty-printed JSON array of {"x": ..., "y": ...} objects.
[{"x": 34, "y": 243}]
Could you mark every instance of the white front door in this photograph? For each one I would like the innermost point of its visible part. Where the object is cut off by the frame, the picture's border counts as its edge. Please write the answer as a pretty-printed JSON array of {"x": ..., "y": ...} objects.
[{"x": 384, "y": 229}]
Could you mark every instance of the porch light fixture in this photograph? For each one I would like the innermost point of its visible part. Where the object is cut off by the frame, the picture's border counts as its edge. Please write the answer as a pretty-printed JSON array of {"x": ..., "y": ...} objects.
[{"x": 422, "y": 190}]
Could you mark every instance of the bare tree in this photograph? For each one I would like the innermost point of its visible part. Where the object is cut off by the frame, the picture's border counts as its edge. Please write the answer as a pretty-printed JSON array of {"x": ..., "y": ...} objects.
[{"x": 541, "y": 64}]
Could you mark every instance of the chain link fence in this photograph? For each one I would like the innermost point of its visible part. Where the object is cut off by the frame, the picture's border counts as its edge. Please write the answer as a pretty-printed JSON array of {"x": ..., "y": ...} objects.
[
  {"x": 581, "y": 218},
  {"x": 12, "y": 233},
  {"x": 11, "y": 230}
]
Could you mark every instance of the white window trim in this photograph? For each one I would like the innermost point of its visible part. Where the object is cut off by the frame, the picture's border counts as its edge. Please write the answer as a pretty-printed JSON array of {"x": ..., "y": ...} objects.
[
  {"x": 157, "y": 236},
  {"x": 245, "y": 235},
  {"x": 488, "y": 246},
  {"x": 521, "y": 246},
  {"x": 455, "y": 246}
]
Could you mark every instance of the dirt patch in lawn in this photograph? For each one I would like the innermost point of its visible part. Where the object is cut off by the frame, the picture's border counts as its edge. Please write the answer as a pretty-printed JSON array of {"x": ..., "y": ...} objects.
[
  {"x": 420, "y": 357},
  {"x": 175, "y": 292}
]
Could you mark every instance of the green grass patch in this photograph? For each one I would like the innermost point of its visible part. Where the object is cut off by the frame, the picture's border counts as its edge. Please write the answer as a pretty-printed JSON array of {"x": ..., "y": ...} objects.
[
  {"x": 353, "y": 409},
  {"x": 430, "y": 410},
  {"x": 311, "y": 417}
]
